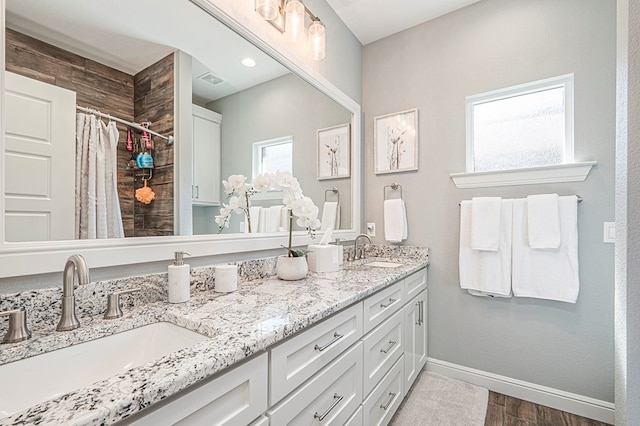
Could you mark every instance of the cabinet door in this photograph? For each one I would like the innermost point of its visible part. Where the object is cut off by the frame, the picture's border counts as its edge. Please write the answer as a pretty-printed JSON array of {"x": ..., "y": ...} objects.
[
  {"x": 236, "y": 397},
  {"x": 415, "y": 329},
  {"x": 206, "y": 157}
]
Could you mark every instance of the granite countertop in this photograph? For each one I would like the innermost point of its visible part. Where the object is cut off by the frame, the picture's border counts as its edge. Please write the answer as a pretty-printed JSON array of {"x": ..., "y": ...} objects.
[{"x": 239, "y": 324}]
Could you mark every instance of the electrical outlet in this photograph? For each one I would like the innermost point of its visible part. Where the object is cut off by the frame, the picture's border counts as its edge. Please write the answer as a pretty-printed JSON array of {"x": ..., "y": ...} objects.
[
  {"x": 371, "y": 229},
  {"x": 609, "y": 232}
]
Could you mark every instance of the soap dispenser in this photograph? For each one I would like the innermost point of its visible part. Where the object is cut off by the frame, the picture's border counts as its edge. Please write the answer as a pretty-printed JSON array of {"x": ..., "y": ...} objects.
[{"x": 179, "y": 279}]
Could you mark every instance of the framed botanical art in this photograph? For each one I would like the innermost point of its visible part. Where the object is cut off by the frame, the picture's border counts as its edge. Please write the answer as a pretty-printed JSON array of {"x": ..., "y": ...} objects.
[
  {"x": 395, "y": 142},
  {"x": 333, "y": 152}
]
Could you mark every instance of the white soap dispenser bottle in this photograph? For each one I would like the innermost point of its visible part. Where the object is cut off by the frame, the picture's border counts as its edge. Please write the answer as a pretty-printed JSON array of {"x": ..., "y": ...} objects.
[{"x": 179, "y": 279}]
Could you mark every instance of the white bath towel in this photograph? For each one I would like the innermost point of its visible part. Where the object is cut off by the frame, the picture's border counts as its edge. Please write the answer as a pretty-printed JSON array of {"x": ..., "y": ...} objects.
[
  {"x": 485, "y": 223},
  {"x": 547, "y": 274},
  {"x": 395, "y": 220},
  {"x": 330, "y": 215},
  {"x": 543, "y": 221},
  {"x": 272, "y": 219},
  {"x": 486, "y": 273},
  {"x": 254, "y": 212}
]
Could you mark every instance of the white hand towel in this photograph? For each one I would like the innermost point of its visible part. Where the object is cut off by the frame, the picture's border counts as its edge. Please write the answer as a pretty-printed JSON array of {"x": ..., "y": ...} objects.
[
  {"x": 547, "y": 274},
  {"x": 395, "y": 220},
  {"x": 486, "y": 273},
  {"x": 263, "y": 220},
  {"x": 284, "y": 220},
  {"x": 543, "y": 221},
  {"x": 273, "y": 219},
  {"x": 254, "y": 211},
  {"x": 330, "y": 215},
  {"x": 485, "y": 223}
]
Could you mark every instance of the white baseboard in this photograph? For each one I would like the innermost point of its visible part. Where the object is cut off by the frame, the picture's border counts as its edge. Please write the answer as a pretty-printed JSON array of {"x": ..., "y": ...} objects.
[{"x": 570, "y": 402}]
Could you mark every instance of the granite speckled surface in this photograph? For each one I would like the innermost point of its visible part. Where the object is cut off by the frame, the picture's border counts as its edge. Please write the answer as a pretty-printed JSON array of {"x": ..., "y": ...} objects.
[{"x": 262, "y": 312}]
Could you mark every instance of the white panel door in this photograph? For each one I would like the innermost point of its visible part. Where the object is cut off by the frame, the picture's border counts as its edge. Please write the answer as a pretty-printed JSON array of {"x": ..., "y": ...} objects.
[
  {"x": 39, "y": 160},
  {"x": 206, "y": 157}
]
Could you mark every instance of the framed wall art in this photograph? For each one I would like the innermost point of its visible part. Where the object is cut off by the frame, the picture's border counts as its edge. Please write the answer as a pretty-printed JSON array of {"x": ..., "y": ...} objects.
[
  {"x": 395, "y": 142},
  {"x": 333, "y": 152}
]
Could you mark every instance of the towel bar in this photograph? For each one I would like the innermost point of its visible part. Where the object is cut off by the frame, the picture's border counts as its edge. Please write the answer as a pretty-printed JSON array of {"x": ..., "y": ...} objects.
[
  {"x": 394, "y": 186},
  {"x": 579, "y": 200}
]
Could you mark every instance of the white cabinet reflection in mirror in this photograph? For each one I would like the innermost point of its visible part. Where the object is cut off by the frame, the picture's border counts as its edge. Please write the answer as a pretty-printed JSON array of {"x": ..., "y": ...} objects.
[{"x": 206, "y": 157}]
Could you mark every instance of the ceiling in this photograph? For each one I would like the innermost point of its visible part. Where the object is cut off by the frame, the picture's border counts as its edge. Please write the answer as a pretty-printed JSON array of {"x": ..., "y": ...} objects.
[
  {"x": 371, "y": 20},
  {"x": 130, "y": 43}
]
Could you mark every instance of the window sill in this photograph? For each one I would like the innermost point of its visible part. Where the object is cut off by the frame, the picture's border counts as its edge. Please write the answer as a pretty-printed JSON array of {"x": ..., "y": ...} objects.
[{"x": 573, "y": 172}]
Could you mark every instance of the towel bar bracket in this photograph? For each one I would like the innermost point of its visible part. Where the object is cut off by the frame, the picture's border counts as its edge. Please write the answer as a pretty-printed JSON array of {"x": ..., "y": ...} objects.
[{"x": 394, "y": 187}]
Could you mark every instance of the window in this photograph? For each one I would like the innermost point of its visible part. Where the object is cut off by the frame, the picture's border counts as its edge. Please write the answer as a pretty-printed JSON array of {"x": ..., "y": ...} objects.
[
  {"x": 525, "y": 126},
  {"x": 273, "y": 155}
]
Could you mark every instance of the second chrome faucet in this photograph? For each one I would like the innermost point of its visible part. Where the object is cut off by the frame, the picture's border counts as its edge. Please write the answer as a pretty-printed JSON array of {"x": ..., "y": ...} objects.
[{"x": 75, "y": 263}]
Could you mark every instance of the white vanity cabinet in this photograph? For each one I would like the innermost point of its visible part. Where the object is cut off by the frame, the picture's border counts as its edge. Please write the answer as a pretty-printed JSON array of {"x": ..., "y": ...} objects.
[
  {"x": 415, "y": 338},
  {"x": 236, "y": 397},
  {"x": 206, "y": 157}
]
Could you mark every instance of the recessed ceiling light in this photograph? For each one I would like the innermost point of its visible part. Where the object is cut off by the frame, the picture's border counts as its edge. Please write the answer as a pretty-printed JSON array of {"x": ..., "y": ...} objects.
[{"x": 248, "y": 62}]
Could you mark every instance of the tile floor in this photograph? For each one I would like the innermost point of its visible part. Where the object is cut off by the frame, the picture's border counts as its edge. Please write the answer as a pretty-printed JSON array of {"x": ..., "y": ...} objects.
[{"x": 507, "y": 411}]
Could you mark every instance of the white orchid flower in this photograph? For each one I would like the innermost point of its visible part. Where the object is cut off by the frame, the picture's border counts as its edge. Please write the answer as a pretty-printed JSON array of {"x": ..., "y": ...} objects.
[
  {"x": 237, "y": 181},
  {"x": 263, "y": 182}
]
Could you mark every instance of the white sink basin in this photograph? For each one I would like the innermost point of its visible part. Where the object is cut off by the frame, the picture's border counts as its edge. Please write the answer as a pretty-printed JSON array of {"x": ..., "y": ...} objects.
[
  {"x": 34, "y": 380},
  {"x": 384, "y": 264}
]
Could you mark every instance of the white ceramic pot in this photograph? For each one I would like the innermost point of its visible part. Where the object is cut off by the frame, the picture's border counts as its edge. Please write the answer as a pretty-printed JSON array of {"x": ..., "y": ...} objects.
[{"x": 291, "y": 268}]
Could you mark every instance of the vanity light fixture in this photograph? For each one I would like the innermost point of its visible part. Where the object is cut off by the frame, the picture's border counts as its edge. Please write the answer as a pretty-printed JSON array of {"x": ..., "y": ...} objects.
[{"x": 290, "y": 19}]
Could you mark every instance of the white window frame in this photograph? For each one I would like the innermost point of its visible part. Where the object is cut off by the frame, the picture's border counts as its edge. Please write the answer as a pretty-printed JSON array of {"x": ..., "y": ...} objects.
[
  {"x": 257, "y": 150},
  {"x": 563, "y": 81},
  {"x": 568, "y": 171}
]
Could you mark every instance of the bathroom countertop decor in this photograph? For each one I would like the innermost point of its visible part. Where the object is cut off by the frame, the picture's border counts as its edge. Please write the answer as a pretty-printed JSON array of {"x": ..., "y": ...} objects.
[{"x": 263, "y": 311}]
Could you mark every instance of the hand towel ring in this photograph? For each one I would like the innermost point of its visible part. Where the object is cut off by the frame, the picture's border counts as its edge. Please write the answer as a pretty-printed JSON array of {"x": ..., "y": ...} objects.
[
  {"x": 332, "y": 190},
  {"x": 394, "y": 186}
]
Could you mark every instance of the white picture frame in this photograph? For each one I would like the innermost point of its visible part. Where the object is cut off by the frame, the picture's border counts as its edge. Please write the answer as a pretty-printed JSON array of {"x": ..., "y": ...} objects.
[
  {"x": 334, "y": 145},
  {"x": 395, "y": 142}
]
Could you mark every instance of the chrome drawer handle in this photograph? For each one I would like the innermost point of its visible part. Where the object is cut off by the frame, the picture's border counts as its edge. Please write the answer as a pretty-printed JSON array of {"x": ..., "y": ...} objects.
[
  {"x": 385, "y": 406},
  {"x": 388, "y": 348},
  {"x": 382, "y": 305},
  {"x": 421, "y": 312},
  {"x": 337, "y": 398},
  {"x": 336, "y": 337},
  {"x": 418, "y": 321}
]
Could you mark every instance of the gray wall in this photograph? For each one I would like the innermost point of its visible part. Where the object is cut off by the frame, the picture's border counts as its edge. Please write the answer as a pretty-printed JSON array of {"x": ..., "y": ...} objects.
[
  {"x": 434, "y": 66},
  {"x": 285, "y": 106},
  {"x": 627, "y": 305}
]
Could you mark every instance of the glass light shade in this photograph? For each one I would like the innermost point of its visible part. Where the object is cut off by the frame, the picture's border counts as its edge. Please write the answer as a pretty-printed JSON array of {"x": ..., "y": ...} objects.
[
  {"x": 268, "y": 9},
  {"x": 294, "y": 21},
  {"x": 317, "y": 40}
]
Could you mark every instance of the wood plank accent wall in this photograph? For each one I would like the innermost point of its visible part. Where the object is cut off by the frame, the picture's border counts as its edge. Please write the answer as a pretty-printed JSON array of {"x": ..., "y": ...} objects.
[
  {"x": 112, "y": 92},
  {"x": 154, "y": 87}
]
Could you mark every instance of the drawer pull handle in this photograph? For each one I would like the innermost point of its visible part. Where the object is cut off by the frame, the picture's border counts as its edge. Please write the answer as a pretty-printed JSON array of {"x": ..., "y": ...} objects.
[
  {"x": 388, "y": 348},
  {"x": 421, "y": 312},
  {"x": 337, "y": 398},
  {"x": 336, "y": 337},
  {"x": 385, "y": 406},
  {"x": 418, "y": 321},
  {"x": 382, "y": 305}
]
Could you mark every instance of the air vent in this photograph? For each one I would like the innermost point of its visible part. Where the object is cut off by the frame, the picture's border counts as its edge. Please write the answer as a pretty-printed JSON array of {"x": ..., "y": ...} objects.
[{"x": 211, "y": 78}]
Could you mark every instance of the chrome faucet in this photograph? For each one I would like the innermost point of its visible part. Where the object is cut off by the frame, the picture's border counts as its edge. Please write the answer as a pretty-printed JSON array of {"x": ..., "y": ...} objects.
[
  {"x": 357, "y": 256},
  {"x": 75, "y": 263}
]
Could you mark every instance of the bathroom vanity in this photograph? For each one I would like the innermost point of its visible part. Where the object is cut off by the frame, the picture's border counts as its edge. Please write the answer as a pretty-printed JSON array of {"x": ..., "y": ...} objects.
[{"x": 343, "y": 346}]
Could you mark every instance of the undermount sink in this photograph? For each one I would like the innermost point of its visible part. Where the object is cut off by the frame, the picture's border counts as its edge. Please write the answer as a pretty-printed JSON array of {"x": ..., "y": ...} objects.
[
  {"x": 34, "y": 380},
  {"x": 379, "y": 264}
]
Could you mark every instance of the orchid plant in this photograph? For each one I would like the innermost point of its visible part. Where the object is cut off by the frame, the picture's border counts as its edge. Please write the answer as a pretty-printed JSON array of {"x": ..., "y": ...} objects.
[{"x": 239, "y": 193}]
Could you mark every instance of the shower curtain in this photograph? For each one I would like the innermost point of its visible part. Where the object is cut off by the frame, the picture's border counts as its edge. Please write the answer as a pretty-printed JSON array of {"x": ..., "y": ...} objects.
[{"x": 97, "y": 205}]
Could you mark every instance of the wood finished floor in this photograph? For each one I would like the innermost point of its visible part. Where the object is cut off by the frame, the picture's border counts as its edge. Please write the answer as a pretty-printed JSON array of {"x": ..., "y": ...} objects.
[{"x": 504, "y": 410}]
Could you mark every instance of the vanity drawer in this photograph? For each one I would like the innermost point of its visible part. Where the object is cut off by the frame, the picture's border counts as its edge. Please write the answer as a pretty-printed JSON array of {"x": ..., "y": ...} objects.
[
  {"x": 300, "y": 357},
  {"x": 236, "y": 397},
  {"x": 382, "y": 403},
  {"x": 382, "y": 347},
  {"x": 329, "y": 398},
  {"x": 415, "y": 283},
  {"x": 380, "y": 306}
]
